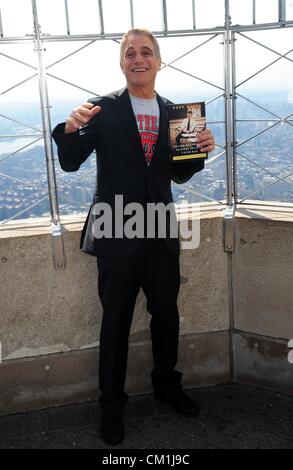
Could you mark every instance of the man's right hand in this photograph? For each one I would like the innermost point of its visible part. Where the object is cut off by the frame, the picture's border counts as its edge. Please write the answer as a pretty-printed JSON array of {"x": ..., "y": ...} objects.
[{"x": 81, "y": 116}]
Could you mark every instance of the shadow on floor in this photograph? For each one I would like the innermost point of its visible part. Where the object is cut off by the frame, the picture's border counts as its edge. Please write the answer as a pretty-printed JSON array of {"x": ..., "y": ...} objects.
[{"x": 232, "y": 417}]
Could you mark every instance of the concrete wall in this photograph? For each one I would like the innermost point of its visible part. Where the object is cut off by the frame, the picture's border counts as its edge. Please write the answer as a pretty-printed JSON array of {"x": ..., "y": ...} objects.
[
  {"x": 263, "y": 297},
  {"x": 50, "y": 319}
]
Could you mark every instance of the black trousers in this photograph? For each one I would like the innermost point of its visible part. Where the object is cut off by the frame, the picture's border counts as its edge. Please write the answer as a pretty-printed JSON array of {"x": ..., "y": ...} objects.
[{"x": 156, "y": 270}]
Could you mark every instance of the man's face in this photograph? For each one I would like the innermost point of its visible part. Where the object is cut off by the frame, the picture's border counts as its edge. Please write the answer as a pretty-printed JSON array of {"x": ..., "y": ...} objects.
[{"x": 140, "y": 64}]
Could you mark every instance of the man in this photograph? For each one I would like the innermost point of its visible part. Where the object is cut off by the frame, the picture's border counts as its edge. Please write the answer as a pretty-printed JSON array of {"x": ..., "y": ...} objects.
[
  {"x": 188, "y": 127},
  {"x": 135, "y": 164}
]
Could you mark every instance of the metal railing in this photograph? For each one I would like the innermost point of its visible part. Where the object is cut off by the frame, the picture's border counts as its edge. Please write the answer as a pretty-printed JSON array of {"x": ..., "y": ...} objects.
[{"x": 228, "y": 32}]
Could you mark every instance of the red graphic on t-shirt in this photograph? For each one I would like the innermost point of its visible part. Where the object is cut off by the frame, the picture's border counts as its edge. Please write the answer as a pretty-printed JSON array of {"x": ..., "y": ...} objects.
[
  {"x": 148, "y": 140},
  {"x": 148, "y": 130}
]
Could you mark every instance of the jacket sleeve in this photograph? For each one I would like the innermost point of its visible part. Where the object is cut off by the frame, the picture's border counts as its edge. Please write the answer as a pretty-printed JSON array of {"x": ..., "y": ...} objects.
[
  {"x": 183, "y": 171},
  {"x": 74, "y": 148}
]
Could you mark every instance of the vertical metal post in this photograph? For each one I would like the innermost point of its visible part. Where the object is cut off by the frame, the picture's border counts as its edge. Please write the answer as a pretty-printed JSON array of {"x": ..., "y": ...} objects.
[
  {"x": 282, "y": 11},
  {"x": 1, "y": 26},
  {"x": 131, "y": 14},
  {"x": 234, "y": 115},
  {"x": 45, "y": 110},
  {"x": 101, "y": 17},
  {"x": 229, "y": 214},
  {"x": 228, "y": 106},
  {"x": 165, "y": 18},
  {"x": 193, "y": 14},
  {"x": 67, "y": 16},
  {"x": 253, "y": 11}
]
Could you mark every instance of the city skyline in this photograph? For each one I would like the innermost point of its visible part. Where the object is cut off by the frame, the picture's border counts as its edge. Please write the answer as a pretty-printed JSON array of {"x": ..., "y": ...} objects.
[{"x": 27, "y": 177}]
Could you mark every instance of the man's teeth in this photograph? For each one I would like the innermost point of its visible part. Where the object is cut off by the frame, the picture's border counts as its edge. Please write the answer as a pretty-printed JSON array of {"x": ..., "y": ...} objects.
[{"x": 140, "y": 70}]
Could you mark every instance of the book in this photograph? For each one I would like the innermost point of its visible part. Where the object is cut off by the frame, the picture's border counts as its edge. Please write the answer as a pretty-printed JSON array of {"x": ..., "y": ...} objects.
[{"x": 185, "y": 122}]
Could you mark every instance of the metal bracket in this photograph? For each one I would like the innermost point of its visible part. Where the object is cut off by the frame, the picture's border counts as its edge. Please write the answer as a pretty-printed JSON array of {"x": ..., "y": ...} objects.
[
  {"x": 229, "y": 229},
  {"x": 57, "y": 246}
]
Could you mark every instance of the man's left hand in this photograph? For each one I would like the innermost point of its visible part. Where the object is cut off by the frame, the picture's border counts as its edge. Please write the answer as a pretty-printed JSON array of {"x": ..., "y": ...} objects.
[{"x": 206, "y": 141}]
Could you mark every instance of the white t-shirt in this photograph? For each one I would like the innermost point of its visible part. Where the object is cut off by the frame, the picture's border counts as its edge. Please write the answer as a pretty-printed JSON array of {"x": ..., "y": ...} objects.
[{"x": 147, "y": 115}]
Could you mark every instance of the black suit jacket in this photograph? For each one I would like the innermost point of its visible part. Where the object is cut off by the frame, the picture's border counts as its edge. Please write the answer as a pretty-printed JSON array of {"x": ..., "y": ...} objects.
[{"x": 121, "y": 167}]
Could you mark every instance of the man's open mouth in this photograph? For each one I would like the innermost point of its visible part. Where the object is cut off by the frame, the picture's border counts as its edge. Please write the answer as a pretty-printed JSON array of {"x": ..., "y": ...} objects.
[{"x": 140, "y": 69}]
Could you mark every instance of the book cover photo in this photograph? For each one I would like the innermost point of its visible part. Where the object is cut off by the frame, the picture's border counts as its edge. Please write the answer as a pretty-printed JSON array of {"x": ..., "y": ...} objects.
[{"x": 185, "y": 122}]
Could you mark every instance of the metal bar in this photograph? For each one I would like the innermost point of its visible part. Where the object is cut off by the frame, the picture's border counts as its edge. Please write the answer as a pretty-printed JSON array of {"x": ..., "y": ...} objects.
[
  {"x": 67, "y": 17},
  {"x": 197, "y": 78},
  {"x": 17, "y": 180},
  {"x": 77, "y": 179},
  {"x": 1, "y": 25},
  {"x": 17, "y": 60},
  {"x": 256, "y": 135},
  {"x": 228, "y": 106},
  {"x": 267, "y": 186},
  {"x": 18, "y": 84},
  {"x": 75, "y": 202},
  {"x": 70, "y": 55},
  {"x": 215, "y": 99},
  {"x": 45, "y": 107},
  {"x": 189, "y": 52},
  {"x": 257, "y": 120},
  {"x": 57, "y": 246},
  {"x": 193, "y": 14},
  {"x": 18, "y": 136},
  {"x": 258, "y": 165},
  {"x": 165, "y": 16},
  {"x": 20, "y": 149},
  {"x": 197, "y": 193},
  {"x": 131, "y": 13},
  {"x": 266, "y": 205},
  {"x": 101, "y": 16},
  {"x": 253, "y": 11},
  {"x": 170, "y": 33},
  {"x": 229, "y": 229},
  {"x": 24, "y": 210},
  {"x": 282, "y": 56},
  {"x": 72, "y": 84},
  {"x": 216, "y": 157},
  {"x": 261, "y": 70},
  {"x": 57, "y": 242},
  {"x": 234, "y": 113},
  {"x": 21, "y": 123},
  {"x": 259, "y": 106},
  {"x": 282, "y": 11}
]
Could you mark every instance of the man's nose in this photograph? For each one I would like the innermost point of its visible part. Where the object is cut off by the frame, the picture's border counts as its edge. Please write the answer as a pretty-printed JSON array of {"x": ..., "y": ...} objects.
[{"x": 139, "y": 58}]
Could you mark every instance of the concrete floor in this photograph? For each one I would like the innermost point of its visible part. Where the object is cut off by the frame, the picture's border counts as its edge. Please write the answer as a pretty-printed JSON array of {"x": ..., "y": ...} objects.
[{"x": 232, "y": 417}]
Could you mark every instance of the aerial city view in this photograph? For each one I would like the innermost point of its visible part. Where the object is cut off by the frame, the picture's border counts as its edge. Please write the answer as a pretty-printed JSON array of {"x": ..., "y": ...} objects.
[{"x": 260, "y": 160}]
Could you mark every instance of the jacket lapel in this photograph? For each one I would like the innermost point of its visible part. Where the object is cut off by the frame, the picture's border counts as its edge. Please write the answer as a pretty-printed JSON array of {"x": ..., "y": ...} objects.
[{"x": 125, "y": 111}]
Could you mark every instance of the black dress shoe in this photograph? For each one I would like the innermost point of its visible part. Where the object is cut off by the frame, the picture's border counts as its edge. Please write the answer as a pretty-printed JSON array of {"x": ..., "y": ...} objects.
[
  {"x": 112, "y": 427},
  {"x": 180, "y": 401}
]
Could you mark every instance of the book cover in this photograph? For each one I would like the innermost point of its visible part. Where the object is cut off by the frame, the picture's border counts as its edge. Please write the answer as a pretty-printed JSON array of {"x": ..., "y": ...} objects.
[{"x": 185, "y": 122}]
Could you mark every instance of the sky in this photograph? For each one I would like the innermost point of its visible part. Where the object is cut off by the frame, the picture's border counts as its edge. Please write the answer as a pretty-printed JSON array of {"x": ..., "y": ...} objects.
[{"x": 102, "y": 75}]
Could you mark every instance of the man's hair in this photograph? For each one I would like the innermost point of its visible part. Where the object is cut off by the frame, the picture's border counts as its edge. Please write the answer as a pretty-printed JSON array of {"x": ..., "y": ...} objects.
[{"x": 139, "y": 32}]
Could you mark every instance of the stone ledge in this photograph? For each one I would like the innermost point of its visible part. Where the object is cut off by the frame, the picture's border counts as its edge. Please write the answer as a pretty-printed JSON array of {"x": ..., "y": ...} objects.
[
  {"x": 262, "y": 362},
  {"x": 72, "y": 377}
]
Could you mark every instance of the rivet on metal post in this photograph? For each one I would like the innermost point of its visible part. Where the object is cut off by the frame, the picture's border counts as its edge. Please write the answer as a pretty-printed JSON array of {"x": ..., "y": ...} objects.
[
  {"x": 57, "y": 246},
  {"x": 229, "y": 229}
]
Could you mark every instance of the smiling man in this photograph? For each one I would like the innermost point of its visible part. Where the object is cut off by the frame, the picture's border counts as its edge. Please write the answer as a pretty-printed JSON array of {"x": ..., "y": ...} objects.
[{"x": 129, "y": 131}]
